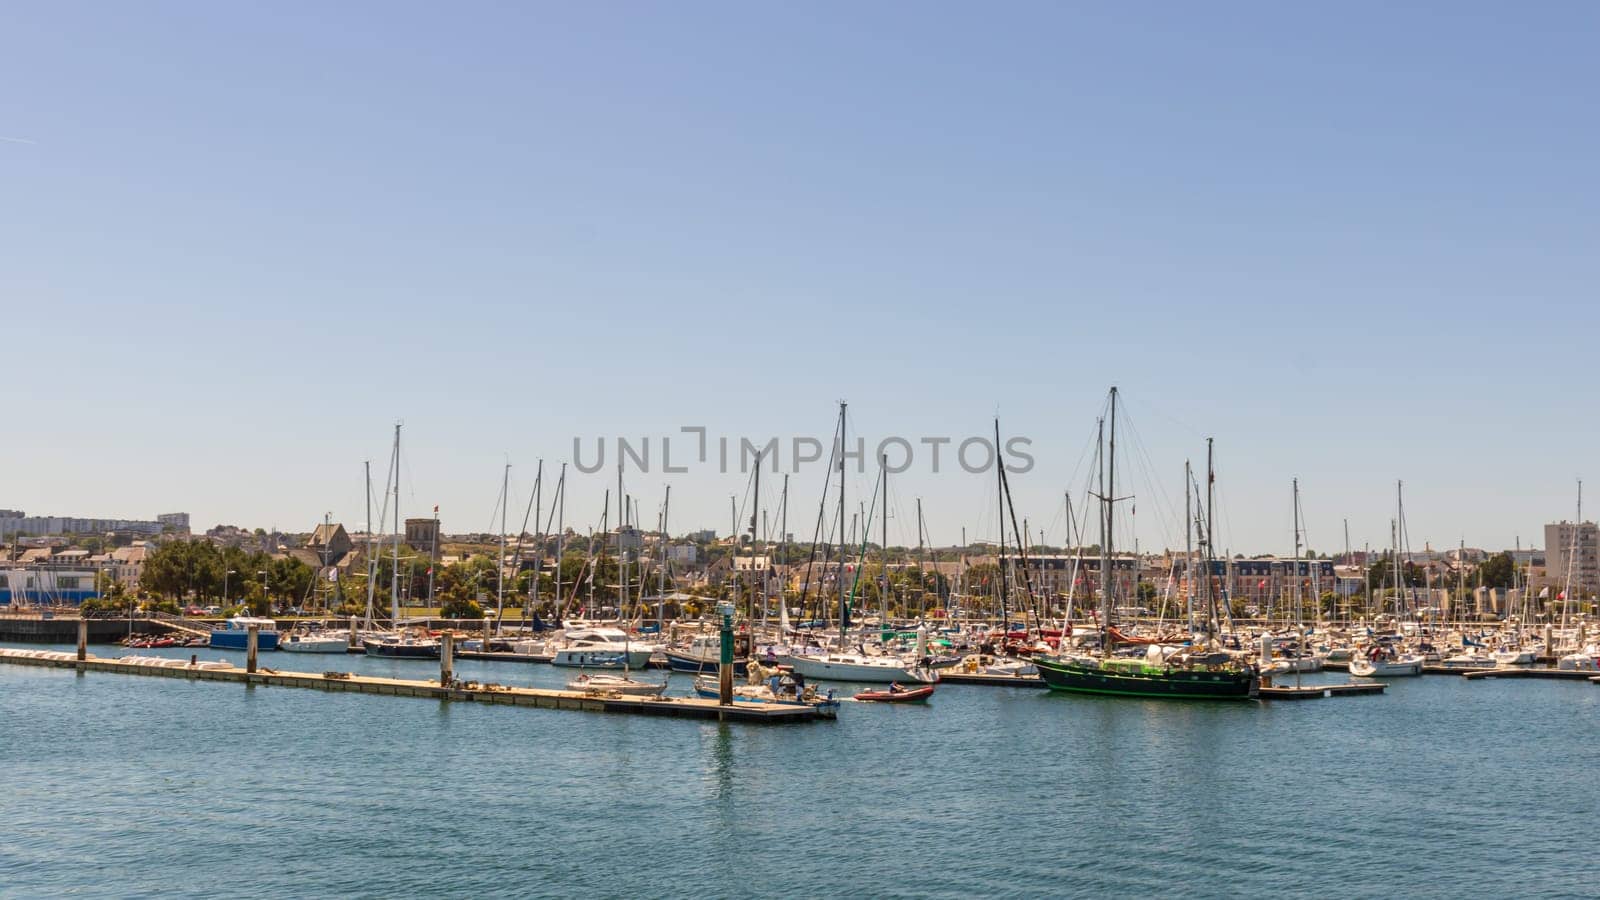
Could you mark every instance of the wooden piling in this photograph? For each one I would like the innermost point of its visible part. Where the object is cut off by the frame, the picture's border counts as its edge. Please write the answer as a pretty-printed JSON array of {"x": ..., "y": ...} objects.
[
  {"x": 352, "y": 646},
  {"x": 252, "y": 642},
  {"x": 447, "y": 658},
  {"x": 83, "y": 639}
]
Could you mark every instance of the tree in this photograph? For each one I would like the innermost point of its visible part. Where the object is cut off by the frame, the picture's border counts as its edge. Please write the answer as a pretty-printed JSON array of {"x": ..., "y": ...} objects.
[
  {"x": 456, "y": 608},
  {"x": 1499, "y": 571}
]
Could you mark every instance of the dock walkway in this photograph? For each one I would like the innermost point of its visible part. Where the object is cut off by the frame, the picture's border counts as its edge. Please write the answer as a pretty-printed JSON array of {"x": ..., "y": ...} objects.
[{"x": 472, "y": 692}]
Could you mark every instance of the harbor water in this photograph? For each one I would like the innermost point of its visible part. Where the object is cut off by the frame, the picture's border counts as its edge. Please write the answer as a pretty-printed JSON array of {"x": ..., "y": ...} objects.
[{"x": 121, "y": 786}]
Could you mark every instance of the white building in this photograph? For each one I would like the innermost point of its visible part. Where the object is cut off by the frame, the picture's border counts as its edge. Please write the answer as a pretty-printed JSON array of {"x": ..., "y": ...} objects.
[{"x": 1576, "y": 545}]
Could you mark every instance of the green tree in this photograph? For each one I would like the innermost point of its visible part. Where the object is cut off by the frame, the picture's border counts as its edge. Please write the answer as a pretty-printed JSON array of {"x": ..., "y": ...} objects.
[{"x": 1498, "y": 571}]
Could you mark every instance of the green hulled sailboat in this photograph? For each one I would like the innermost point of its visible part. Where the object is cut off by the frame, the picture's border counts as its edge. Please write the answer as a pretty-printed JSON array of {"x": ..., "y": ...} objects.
[{"x": 1195, "y": 673}]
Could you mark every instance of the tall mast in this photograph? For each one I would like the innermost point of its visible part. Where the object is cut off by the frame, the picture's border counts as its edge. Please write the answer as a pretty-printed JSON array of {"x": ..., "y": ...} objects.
[
  {"x": 883, "y": 595},
  {"x": 922, "y": 575},
  {"x": 433, "y": 554},
  {"x": 661, "y": 576},
  {"x": 561, "y": 533},
  {"x": 1346, "y": 562},
  {"x": 1188, "y": 546},
  {"x": 500, "y": 568},
  {"x": 538, "y": 545},
  {"x": 755, "y": 536},
  {"x": 783, "y": 546},
  {"x": 1000, "y": 523},
  {"x": 394, "y": 579},
  {"x": 844, "y": 608},
  {"x": 372, "y": 554},
  {"x": 1111, "y": 521},
  {"x": 1212, "y": 614},
  {"x": 622, "y": 559}
]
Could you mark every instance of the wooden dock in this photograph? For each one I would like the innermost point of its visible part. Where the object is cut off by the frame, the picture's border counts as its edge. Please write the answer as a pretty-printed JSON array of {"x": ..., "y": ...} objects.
[
  {"x": 950, "y": 676},
  {"x": 1317, "y": 691},
  {"x": 457, "y": 691},
  {"x": 1515, "y": 672}
]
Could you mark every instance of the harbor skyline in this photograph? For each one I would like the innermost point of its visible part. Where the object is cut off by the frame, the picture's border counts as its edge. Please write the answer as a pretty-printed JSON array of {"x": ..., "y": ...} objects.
[{"x": 1351, "y": 245}]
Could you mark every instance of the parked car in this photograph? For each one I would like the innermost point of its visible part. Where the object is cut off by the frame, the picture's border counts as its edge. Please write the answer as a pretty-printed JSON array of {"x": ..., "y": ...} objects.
[{"x": 212, "y": 610}]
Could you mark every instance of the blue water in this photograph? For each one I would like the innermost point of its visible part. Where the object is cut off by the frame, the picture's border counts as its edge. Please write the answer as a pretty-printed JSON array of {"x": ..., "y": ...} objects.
[{"x": 121, "y": 786}]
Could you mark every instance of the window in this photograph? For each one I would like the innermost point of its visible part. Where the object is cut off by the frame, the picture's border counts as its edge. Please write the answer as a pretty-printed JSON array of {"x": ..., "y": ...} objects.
[{"x": 67, "y": 583}]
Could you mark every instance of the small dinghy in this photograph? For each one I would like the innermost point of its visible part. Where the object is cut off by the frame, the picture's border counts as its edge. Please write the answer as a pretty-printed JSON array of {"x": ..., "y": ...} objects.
[{"x": 897, "y": 694}]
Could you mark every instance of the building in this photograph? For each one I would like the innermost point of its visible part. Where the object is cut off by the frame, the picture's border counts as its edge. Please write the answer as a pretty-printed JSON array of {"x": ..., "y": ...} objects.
[
  {"x": 45, "y": 586},
  {"x": 422, "y": 534},
  {"x": 177, "y": 523},
  {"x": 683, "y": 554},
  {"x": 330, "y": 543},
  {"x": 629, "y": 538},
  {"x": 15, "y": 521},
  {"x": 1572, "y": 551}
]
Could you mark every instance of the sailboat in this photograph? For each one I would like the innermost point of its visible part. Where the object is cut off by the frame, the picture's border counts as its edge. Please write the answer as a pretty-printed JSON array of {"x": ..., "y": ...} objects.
[
  {"x": 1191, "y": 673},
  {"x": 403, "y": 645},
  {"x": 1381, "y": 660},
  {"x": 840, "y": 665}
]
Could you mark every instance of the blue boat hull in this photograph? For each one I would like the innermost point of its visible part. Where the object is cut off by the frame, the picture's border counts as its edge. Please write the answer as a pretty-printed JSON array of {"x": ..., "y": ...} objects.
[
  {"x": 239, "y": 640},
  {"x": 681, "y": 663}
]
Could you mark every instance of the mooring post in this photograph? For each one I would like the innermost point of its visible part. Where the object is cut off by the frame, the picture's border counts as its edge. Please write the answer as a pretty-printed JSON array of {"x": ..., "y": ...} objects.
[
  {"x": 485, "y": 647},
  {"x": 83, "y": 639},
  {"x": 252, "y": 640},
  {"x": 447, "y": 658},
  {"x": 352, "y": 646},
  {"x": 725, "y": 667},
  {"x": 1550, "y": 638}
]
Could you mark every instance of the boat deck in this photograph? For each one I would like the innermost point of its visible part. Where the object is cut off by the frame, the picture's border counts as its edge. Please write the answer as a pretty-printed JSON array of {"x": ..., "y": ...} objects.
[{"x": 474, "y": 692}]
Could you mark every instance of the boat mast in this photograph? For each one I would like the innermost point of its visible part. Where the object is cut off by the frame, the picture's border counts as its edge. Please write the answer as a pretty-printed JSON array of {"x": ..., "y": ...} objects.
[
  {"x": 394, "y": 578},
  {"x": 661, "y": 576},
  {"x": 844, "y": 607},
  {"x": 622, "y": 559},
  {"x": 500, "y": 567},
  {"x": 1188, "y": 546},
  {"x": 1214, "y": 618},
  {"x": 538, "y": 545},
  {"x": 883, "y": 595},
  {"x": 922, "y": 575},
  {"x": 1299, "y": 617},
  {"x": 561, "y": 533},
  {"x": 783, "y": 549},
  {"x": 372, "y": 577},
  {"x": 755, "y": 536}
]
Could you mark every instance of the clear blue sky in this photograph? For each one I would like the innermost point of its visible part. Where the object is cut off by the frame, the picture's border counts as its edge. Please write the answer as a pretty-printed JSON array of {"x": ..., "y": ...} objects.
[{"x": 1355, "y": 243}]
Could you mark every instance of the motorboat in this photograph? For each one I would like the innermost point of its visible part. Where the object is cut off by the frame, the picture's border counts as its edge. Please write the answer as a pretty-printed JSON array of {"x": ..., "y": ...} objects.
[
  {"x": 602, "y": 648},
  {"x": 235, "y": 633}
]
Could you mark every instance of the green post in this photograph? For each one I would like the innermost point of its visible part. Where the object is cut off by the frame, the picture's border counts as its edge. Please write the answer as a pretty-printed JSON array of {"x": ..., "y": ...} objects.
[{"x": 725, "y": 669}]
